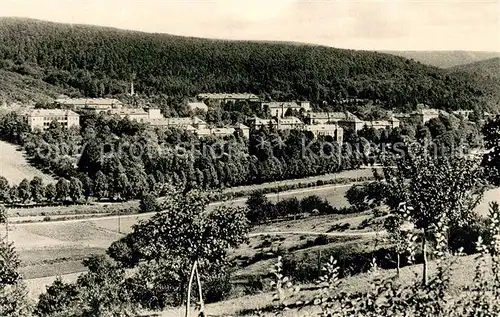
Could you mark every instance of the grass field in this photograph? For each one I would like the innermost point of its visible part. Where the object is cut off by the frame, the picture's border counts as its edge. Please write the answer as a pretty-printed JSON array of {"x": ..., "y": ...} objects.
[
  {"x": 15, "y": 168},
  {"x": 55, "y": 212},
  {"x": 55, "y": 248}
]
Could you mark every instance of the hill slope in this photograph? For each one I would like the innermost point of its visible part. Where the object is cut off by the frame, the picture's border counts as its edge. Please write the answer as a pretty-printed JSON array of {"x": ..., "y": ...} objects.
[
  {"x": 485, "y": 73},
  {"x": 98, "y": 61},
  {"x": 489, "y": 68},
  {"x": 445, "y": 59}
]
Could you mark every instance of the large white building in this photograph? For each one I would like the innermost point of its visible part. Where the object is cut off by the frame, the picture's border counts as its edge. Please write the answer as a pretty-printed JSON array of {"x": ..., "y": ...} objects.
[
  {"x": 145, "y": 115},
  {"x": 89, "y": 104},
  {"x": 333, "y": 130},
  {"x": 42, "y": 118},
  {"x": 279, "y": 109},
  {"x": 345, "y": 119},
  {"x": 286, "y": 123},
  {"x": 223, "y": 97},
  {"x": 383, "y": 124},
  {"x": 424, "y": 115},
  {"x": 222, "y": 132},
  {"x": 200, "y": 106}
]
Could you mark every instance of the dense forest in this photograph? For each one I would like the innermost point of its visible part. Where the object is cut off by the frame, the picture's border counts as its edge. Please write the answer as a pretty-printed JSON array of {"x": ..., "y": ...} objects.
[{"x": 95, "y": 61}]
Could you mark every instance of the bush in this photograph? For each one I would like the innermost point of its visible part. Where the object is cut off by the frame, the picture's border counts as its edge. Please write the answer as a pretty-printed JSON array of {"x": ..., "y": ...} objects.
[
  {"x": 466, "y": 237},
  {"x": 322, "y": 240},
  {"x": 254, "y": 285},
  {"x": 217, "y": 288},
  {"x": 59, "y": 297},
  {"x": 148, "y": 203},
  {"x": 122, "y": 252}
]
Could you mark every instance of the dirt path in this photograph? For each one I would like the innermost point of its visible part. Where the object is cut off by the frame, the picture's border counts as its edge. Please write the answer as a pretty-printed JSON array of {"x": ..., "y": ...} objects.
[
  {"x": 313, "y": 233},
  {"x": 15, "y": 167}
]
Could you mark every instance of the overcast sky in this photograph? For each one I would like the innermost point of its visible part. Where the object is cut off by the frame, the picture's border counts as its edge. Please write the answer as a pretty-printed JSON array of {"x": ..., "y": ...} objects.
[{"x": 361, "y": 24}]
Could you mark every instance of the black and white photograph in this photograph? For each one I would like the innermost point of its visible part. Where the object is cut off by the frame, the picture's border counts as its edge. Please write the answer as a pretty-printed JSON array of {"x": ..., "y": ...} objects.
[{"x": 249, "y": 158}]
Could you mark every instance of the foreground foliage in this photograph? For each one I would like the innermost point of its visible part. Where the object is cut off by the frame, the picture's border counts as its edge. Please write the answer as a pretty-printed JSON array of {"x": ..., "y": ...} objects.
[
  {"x": 13, "y": 292},
  {"x": 389, "y": 297}
]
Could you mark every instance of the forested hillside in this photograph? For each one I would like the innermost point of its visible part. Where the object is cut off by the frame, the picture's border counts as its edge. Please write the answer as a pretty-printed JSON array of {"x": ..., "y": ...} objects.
[
  {"x": 96, "y": 61},
  {"x": 489, "y": 68},
  {"x": 446, "y": 59}
]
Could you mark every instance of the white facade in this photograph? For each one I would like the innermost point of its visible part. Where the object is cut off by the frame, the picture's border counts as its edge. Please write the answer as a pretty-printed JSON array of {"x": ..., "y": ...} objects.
[
  {"x": 279, "y": 108},
  {"x": 139, "y": 115},
  {"x": 383, "y": 124},
  {"x": 332, "y": 130},
  {"x": 90, "y": 104},
  {"x": 228, "y": 97},
  {"x": 41, "y": 118},
  {"x": 346, "y": 119},
  {"x": 193, "y": 106}
]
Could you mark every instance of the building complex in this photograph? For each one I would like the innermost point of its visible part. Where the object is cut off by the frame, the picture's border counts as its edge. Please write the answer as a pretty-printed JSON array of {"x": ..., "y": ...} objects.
[
  {"x": 289, "y": 115},
  {"x": 40, "y": 119}
]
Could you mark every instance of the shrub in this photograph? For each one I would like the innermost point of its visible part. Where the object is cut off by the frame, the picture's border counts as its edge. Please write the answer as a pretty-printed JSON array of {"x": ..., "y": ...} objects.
[
  {"x": 148, "y": 203},
  {"x": 58, "y": 297},
  {"x": 322, "y": 240},
  {"x": 217, "y": 288}
]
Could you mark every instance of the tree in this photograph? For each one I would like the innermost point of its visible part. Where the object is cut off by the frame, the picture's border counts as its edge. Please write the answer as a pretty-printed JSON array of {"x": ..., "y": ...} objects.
[
  {"x": 4, "y": 189},
  {"x": 258, "y": 207},
  {"x": 59, "y": 297},
  {"x": 13, "y": 194},
  {"x": 88, "y": 186},
  {"x": 62, "y": 189},
  {"x": 148, "y": 203},
  {"x": 24, "y": 191},
  {"x": 50, "y": 192},
  {"x": 434, "y": 190},
  {"x": 99, "y": 292},
  {"x": 399, "y": 237},
  {"x": 75, "y": 189},
  {"x": 186, "y": 238},
  {"x": 367, "y": 195},
  {"x": 37, "y": 189},
  {"x": 102, "y": 290},
  {"x": 13, "y": 294},
  {"x": 4, "y": 219},
  {"x": 100, "y": 185},
  {"x": 491, "y": 160}
]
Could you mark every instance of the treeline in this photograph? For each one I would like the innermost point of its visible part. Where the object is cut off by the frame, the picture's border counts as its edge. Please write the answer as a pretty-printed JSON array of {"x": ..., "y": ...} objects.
[
  {"x": 122, "y": 159},
  {"x": 36, "y": 191},
  {"x": 261, "y": 209},
  {"x": 97, "y": 62}
]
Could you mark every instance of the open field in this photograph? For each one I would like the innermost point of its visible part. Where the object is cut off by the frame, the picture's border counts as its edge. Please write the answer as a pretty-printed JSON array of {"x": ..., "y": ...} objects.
[
  {"x": 55, "y": 212},
  {"x": 333, "y": 193},
  {"x": 54, "y": 248},
  {"x": 15, "y": 167},
  {"x": 341, "y": 175}
]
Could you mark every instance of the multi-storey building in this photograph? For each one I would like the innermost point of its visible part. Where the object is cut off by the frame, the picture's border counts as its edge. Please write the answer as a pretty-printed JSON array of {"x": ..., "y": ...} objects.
[
  {"x": 42, "y": 118},
  {"x": 281, "y": 109},
  {"x": 346, "y": 119},
  {"x": 201, "y": 106},
  {"x": 286, "y": 123},
  {"x": 179, "y": 122},
  {"x": 223, "y": 97},
  {"x": 222, "y": 132},
  {"x": 333, "y": 130},
  {"x": 424, "y": 115},
  {"x": 137, "y": 114},
  {"x": 383, "y": 124},
  {"x": 89, "y": 104}
]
